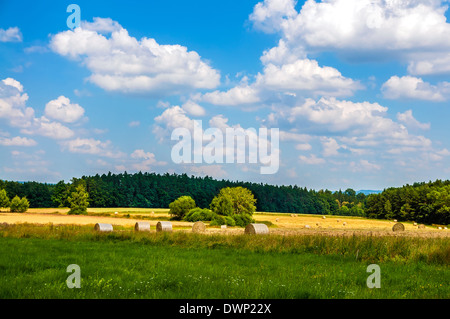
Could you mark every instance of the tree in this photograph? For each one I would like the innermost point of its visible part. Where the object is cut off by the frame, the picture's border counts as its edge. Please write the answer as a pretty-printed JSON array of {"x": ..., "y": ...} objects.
[
  {"x": 388, "y": 209},
  {"x": 181, "y": 206},
  {"x": 242, "y": 199},
  {"x": 222, "y": 205},
  {"x": 78, "y": 200},
  {"x": 19, "y": 205},
  {"x": 4, "y": 200},
  {"x": 235, "y": 202},
  {"x": 60, "y": 194}
]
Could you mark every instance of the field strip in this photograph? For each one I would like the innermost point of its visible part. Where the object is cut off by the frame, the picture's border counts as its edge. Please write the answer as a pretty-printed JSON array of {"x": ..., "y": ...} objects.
[
  {"x": 36, "y": 218},
  {"x": 284, "y": 224}
]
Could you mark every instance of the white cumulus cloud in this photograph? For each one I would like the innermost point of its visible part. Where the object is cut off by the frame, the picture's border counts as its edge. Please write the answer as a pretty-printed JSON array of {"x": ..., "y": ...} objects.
[
  {"x": 63, "y": 110},
  {"x": 415, "y": 88},
  {"x": 120, "y": 62}
]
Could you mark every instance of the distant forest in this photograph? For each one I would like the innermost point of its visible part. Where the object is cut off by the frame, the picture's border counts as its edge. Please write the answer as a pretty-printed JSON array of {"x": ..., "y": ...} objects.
[
  {"x": 158, "y": 191},
  {"x": 420, "y": 202}
]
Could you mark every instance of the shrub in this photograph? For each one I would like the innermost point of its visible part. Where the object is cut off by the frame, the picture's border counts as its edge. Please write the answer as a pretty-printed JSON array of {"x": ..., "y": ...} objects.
[
  {"x": 181, "y": 206},
  {"x": 219, "y": 220},
  {"x": 19, "y": 205},
  {"x": 198, "y": 214},
  {"x": 243, "y": 219},
  {"x": 230, "y": 221}
]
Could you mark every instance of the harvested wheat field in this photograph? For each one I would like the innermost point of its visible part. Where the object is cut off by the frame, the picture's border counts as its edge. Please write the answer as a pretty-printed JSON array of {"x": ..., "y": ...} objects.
[
  {"x": 282, "y": 224},
  {"x": 64, "y": 219}
]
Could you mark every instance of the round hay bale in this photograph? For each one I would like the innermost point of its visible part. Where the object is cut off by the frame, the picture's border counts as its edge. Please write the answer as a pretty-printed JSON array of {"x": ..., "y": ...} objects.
[
  {"x": 338, "y": 220},
  {"x": 395, "y": 220},
  {"x": 142, "y": 226},
  {"x": 103, "y": 227},
  {"x": 223, "y": 226},
  {"x": 257, "y": 229},
  {"x": 344, "y": 223},
  {"x": 277, "y": 220},
  {"x": 323, "y": 217},
  {"x": 198, "y": 227},
  {"x": 398, "y": 227},
  {"x": 317, "y": 224},
  {"x": 115, "y": 213},
  {"x": 415, "y": 224},
  {"x": 421, "y": 226},
  {"x": 307, "y": 226},
  {"x": 164, "y": 227}
]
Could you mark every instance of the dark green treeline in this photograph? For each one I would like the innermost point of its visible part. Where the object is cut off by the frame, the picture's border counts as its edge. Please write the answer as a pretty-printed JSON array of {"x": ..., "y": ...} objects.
[{"x": 155, "y": 190}]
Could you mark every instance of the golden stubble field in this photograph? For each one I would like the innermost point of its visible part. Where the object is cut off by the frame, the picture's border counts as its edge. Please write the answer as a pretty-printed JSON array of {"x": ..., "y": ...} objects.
[{"x": 284, "y": 224}]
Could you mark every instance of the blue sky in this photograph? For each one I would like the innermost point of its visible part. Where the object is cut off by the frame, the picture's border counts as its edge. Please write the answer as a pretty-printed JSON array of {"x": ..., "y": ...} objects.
[{"x": 359, "y": 90}]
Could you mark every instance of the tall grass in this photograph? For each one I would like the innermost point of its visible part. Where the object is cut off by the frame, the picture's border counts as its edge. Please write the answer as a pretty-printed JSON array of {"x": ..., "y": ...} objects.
[
  {"x": 126, "y": 264},
  {"x": 362, "y": 247}
]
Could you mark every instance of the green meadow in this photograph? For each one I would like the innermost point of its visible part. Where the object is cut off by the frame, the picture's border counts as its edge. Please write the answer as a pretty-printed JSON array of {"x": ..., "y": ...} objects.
[{"x": 125, "y": 264}]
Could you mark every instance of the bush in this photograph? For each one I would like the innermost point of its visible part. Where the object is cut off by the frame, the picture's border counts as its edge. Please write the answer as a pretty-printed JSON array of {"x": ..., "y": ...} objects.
[
  {"x": 181, "y": 206},
  {"x": 19, "y": 205},
  {"x": 243, "y": 219},
  {"x": 219, "y": 220},
  {"x": 198, "y": 214},
  {"x": 230, "y": 221}
]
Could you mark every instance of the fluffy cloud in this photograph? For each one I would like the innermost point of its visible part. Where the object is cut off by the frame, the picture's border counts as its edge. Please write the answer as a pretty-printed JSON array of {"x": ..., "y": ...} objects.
[
  {"x": 13, "y": 108},
  {"x": 238, "y": 95},
  {"x": 330, "y": 146},
  {"x": 408, "y": 119},
  {"x": 13, "y": 104},
  {"x": 62, "y": 110},
  {"x": 12, "y": 34},
  {"x": 344, "y": 126},
  {"x": 144, "y": 160},
  {"x": 303, "y": 76},
  {"x": 414, "y": 30},
  {"x": 270, "y": 15},
  {"x": 119, "y": 62},
  {"x": 193, "y": 108},
  {"x": 306, "y": 75},
  {"x": 415, "y": 88},
  {"x": 91, "y": 146},
  {"x": 43, "y": 126},
  {"x": 172, "y": 118},
  {"x": 433, "y": 63}
]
